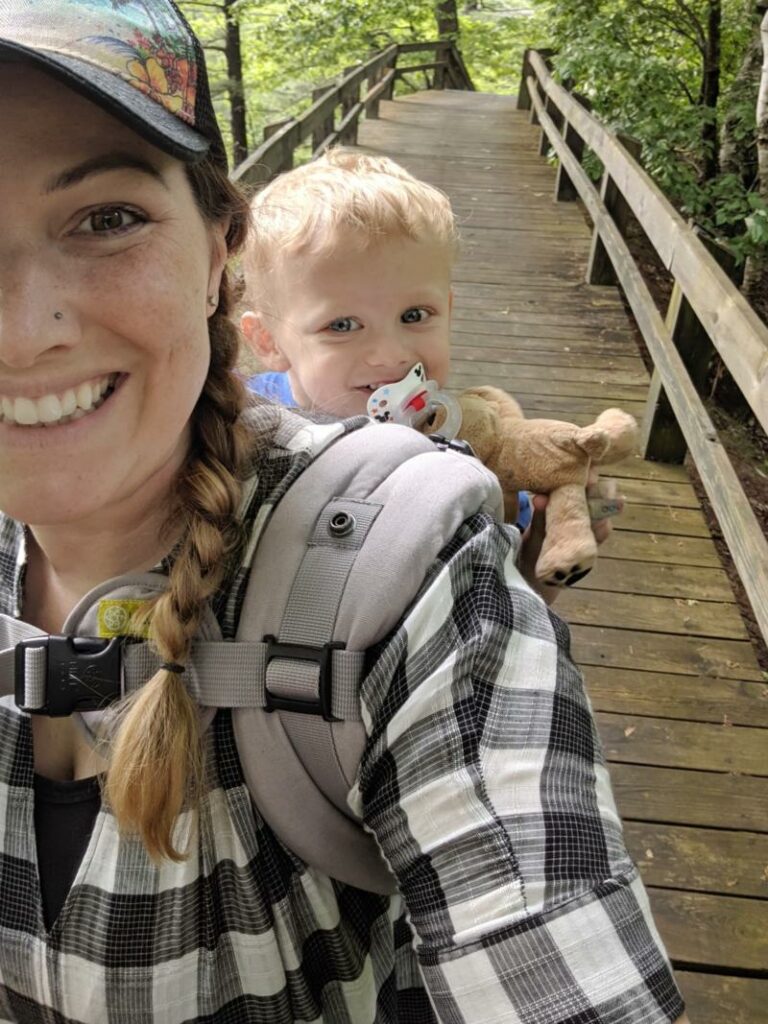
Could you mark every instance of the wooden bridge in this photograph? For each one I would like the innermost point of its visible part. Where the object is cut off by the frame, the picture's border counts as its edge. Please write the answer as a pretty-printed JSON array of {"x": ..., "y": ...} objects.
[{"x": 680, "y": 700}]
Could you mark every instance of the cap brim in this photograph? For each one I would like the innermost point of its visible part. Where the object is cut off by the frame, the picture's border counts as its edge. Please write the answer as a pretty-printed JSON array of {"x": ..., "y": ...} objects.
[{"x": 146, "y": 116}]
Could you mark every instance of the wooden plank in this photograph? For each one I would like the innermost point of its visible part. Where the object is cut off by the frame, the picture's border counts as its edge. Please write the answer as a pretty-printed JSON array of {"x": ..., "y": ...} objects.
[
  {"x": 703, "y": 860},
  {"x": 512, "y": 356},
  {"x": 636, "y": 378},
  {"x": 663, "y": 652},
  {"x": 640, "y": 469},
  {"x": 581, "y": 411},
  {"x": 684, "y": 582},
  {"x": 534, "y": 306},
  {"x": 711, "y": 931},
  {"x": 678, "y": 797},
  {"x": 640, "y": 547},
  {"x": 714, "y": 998},
  {"x": 655, "y": 492},
  {"x": 673, "y": 743},
  {"x": 694, "y": 698},
  {"x": 611, "y": 391},
  {"x": 685, "y": 522},
  {"x": 652, "y": 613},
  {"x": 499, "y": 337}
]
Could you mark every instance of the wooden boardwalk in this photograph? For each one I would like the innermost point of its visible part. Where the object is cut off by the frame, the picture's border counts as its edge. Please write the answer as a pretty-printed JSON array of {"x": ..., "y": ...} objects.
[{"x": 680, "y": 700}]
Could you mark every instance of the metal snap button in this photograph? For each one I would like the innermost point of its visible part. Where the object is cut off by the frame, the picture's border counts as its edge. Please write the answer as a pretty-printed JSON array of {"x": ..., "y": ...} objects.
[{"x": 341, "y": 524}]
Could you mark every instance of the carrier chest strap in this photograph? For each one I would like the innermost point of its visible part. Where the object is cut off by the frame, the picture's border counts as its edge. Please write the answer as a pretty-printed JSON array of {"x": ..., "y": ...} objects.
[{"x": 88, "y": 673}]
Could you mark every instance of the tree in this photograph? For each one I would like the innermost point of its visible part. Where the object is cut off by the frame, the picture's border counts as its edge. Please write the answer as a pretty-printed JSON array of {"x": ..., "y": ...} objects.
[
  {"x": 447, "y": 18},
  {"x": 217, "y": 25},
  {"x": 235, "y": 84},
  {"x": 266, "y": 56},
  {"x": 756, "y": 271}
]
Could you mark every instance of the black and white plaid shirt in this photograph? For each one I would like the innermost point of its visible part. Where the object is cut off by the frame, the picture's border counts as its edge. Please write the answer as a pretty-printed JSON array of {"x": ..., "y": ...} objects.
[{"x": 483, "y": 782}]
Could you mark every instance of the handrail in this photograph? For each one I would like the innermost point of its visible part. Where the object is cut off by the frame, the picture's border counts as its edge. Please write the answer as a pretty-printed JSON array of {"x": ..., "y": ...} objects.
[
  {"x": 702, "y": 288},
  {"x": 379, "y": 72}
]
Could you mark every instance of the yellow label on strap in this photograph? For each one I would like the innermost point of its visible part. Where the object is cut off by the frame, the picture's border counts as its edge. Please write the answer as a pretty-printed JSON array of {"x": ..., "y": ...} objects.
[{"x": 115, "y": 615}]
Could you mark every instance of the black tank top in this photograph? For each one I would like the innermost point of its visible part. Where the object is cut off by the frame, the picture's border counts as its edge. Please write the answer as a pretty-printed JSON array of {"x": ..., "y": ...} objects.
[{"x": 64, "y": 817}]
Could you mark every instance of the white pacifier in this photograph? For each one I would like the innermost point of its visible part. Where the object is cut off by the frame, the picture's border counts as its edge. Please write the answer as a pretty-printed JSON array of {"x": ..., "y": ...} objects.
[{"x": 412, "y": 401}]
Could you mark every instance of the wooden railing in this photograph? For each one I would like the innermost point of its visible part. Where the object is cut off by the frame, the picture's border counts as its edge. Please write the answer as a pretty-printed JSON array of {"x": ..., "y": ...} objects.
[
  {"x": 336, "y": 109},
  {"x": 706, "y": 309}
]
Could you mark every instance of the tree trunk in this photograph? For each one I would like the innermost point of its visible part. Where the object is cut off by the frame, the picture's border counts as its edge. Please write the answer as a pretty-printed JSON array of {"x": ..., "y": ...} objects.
[
  {"x": 237, "y": 112},
  {"x": 447, "y": 19},
  {"x": 755, "y": 286},
  {"x": 737, "y": 150},
  {"x": 710, "y": 90}
]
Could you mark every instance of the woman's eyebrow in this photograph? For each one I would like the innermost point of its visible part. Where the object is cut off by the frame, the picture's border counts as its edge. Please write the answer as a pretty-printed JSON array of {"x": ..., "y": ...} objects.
[{"x": 98, "y": 165}]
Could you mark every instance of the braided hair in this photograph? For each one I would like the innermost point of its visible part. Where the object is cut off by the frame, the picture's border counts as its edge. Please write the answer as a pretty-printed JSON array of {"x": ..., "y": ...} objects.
[{"x": 156, "y": 763}]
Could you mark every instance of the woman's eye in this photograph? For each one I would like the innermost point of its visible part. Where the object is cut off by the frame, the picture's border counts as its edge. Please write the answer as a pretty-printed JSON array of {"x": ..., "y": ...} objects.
[
  {"x": 416, "y": 315},
  {"x": 108, "y": 220},
  {"x": 344, "y": 325}
]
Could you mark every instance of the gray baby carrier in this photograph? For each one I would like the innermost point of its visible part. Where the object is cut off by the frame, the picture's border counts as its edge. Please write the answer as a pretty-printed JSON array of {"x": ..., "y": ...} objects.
[{"x": 336, "y": 564}]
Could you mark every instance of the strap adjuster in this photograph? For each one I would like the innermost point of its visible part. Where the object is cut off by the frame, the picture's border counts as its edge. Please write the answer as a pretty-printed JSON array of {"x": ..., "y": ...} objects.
[
  {"x": 74, "y": 674},
  {"x": 323, "y": 658},
  {"x": 455, "y": 444}
]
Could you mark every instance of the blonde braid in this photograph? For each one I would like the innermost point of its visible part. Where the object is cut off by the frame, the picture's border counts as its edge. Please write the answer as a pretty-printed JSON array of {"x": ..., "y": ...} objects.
[{"x": 157, "y": 757}]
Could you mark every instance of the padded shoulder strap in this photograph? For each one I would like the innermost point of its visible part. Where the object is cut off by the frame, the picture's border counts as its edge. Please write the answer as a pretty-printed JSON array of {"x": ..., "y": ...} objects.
[{"x": 339, "y": 562}]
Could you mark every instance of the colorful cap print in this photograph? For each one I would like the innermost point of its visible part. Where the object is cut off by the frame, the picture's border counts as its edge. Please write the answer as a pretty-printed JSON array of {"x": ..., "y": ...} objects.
[{"x": 138, "y": 59}]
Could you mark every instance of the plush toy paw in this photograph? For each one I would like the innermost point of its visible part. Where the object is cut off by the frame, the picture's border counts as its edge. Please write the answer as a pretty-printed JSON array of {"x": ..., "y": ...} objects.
[{"x": 567, "y": 578}]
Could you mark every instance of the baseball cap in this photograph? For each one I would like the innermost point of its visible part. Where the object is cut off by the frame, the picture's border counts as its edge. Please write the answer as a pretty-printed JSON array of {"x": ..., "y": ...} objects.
[{"x": 138, "y": 59}]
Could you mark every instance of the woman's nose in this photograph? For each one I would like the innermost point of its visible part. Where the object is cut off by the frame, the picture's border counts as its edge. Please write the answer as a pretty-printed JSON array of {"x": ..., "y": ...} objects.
[{"x": 35, "y": 316}]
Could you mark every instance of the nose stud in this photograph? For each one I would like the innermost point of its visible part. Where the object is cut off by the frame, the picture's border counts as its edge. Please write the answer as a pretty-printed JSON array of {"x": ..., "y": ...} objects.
[{"x": 58, "y": 316}]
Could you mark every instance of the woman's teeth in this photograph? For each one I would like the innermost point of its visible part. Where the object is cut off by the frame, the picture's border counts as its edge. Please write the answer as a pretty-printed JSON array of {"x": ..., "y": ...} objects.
[{"x": 50, "y": 410}]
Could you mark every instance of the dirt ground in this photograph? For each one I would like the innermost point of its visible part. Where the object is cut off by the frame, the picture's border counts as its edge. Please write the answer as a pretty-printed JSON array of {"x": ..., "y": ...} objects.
[{"x": 742, "y": 437}]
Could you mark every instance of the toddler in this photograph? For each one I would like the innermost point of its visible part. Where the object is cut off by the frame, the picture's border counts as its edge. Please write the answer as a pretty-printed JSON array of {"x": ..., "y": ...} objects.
[{"x": 348, "y": 276}]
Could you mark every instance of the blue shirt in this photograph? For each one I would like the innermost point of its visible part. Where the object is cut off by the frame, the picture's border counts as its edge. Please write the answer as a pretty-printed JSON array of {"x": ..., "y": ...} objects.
[
  {"x": 277, "y": 388},
  {"x": 274, "y": 386}
]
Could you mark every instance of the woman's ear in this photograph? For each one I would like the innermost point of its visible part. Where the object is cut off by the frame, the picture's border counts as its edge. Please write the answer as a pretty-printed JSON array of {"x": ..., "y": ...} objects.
[
  {"x": 261, "y": 342},
  {"x": 219, "y": 256}
]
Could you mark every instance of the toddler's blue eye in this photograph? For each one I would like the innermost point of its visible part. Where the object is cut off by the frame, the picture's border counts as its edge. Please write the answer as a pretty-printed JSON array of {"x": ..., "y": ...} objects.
[
  {"x": 415, "y": 315},
  {"x": 344, "y": 324}
]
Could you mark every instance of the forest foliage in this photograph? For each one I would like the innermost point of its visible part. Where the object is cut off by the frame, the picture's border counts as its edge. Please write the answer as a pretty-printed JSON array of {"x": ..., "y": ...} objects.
[{"x": 680, "y": 75}]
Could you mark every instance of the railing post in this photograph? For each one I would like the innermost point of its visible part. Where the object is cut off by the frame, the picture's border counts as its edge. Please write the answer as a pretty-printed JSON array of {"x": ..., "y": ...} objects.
[
  {"x": 390, "y": 88},
  {"x": 565, "y": 190},
  {"x": 600, "y": 269},
  {"x": 524, "y": 95},
  {"x": 320, "y": 134},
  {"x": 372, "y": 110},
  {"x": 442, "y": 53},
  {"x": 286, "y": 152},
  {"x": 349, "y": 97},
  {"x": 661, "y": 439},
  {"x": 558, "y": 120}
]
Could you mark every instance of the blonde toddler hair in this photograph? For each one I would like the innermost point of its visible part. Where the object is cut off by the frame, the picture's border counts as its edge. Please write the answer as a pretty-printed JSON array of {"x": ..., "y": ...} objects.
[{"x": 343, "y": 197}]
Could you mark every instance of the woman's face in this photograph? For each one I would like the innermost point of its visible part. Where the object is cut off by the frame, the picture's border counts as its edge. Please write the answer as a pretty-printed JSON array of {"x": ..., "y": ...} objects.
[{"x": 105, "y": 269}]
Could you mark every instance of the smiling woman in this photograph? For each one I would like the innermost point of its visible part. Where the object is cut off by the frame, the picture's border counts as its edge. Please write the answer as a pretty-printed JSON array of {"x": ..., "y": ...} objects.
[{"x": 138, "y": 882}]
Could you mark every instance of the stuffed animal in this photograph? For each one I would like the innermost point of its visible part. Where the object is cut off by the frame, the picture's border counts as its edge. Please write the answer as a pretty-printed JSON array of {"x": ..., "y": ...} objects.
[{"x": 547, "y": 457}]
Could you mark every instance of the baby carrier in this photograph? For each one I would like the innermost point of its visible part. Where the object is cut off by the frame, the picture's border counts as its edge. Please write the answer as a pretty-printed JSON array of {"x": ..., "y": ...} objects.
[{"x": 336, "y": 564}]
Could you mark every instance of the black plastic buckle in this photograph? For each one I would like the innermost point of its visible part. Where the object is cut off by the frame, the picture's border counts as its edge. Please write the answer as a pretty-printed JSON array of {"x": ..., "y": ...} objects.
[
  {"x": 322, "y": 657},
  {"x": 82, "y": 673},
  {"x": 456, "y": 445}
]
